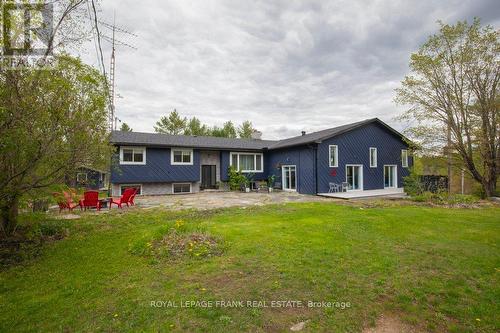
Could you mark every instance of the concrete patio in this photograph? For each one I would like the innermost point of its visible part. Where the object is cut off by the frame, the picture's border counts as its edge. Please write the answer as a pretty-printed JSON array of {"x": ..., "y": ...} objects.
[
  {"x": 221, "y": 199},
  {"x": 387, "y": 192}
]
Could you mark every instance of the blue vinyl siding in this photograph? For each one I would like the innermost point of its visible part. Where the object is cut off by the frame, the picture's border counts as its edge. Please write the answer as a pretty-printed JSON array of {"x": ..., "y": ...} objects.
[
  {"x": 156, "y": 169},
  {"x": 303, "y": 158},
  {"x": 354, "y": 148}
]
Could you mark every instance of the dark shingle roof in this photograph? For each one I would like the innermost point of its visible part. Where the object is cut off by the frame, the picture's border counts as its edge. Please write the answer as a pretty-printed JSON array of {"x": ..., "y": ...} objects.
[
  {"x": 155, "y": 139},
  {"x": 318, "y": 136}
]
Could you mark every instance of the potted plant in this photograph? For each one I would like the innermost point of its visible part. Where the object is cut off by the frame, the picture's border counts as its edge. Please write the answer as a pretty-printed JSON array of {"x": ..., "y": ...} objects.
[{"x": 270, "y": 183}]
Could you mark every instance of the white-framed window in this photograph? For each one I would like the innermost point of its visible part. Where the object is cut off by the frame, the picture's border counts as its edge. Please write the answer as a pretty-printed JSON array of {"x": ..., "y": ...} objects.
[
  {"x": 179, "y": 188},
  {"x": 181, "y": 156},
  {"x": 247, "y": 162},
  {"x": 333, "y": 156},
  {"x": 373, "y": 157},
  {"x": 404, "y": 158},
  {"x": 126, "y": 186},
  {"x": 81, "y": 177},
  {"x": 132, "y": 155}
]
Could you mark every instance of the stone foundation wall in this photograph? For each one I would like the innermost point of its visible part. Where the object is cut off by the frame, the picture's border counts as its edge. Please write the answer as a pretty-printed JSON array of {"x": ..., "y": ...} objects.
[{"x": 154, "y": 188}]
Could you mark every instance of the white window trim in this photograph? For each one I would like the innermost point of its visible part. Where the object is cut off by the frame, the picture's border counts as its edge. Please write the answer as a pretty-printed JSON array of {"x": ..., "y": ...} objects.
[
  {"x": 404, "y": 162},
  {"x": 376, "y": 157},
  {"x": 78, "y": 177},
  {"x": 131, "y": 185},
  {"x": 361, "y": 178},
  {"x": 254, "y": 160},
  {"x": 183, "y": 150},
  {"x": 190, "y": 188},
  {"x": 336, "y": 165},
  {"x": 133, "y": 148},
  {"x": 395, "y": 175}
]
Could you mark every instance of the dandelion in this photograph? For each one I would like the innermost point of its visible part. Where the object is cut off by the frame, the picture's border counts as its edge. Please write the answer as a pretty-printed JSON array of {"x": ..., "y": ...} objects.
[
  {"x": 116, "y": 315},
  {"x": 477, "y": 319}
]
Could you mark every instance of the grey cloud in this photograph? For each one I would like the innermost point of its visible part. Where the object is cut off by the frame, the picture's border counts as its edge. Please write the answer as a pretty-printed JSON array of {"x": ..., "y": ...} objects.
[{"x": 285, "y": 65}]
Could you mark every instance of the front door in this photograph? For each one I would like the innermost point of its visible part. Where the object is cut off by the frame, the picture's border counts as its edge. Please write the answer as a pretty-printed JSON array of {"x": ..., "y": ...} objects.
[
  {"x": 289, "y": 175},
  {"x": 354, "y": 177},
  {"x": 208, "y": 178},
  {"x": 390, "y": 176}
]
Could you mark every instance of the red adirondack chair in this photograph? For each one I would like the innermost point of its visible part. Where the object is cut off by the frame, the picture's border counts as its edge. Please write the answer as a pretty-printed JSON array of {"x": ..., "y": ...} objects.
[
  {"x": 124, "y": 199},
  {"x": 65, "y": 201},
  {"x": 132, "y": 197},
  {"x": 91, "y": 199}
]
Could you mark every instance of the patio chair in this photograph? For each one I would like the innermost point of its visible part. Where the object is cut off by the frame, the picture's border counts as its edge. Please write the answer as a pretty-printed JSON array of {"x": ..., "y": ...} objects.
[
  {"x": 90, "y": 200},
  {"x": 65, "y": 201},
  {"x": 132, "y": 197},
  {"x": 344, "y": 186},
  {"x": 333, "y": 187},
  {"x": 124, "y": 199}
]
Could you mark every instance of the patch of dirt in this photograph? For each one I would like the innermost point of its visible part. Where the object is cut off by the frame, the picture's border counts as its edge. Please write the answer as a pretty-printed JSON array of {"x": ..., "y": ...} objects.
[
  {"x": 196, "y": 245},
  {"x": 390, "y": 324}
]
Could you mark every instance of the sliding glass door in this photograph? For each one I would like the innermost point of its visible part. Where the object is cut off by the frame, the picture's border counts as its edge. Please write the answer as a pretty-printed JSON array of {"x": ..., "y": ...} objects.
[
  {"x": 289, "y": 175},
  {"x": 390, "y": 176},
  {"x": 354, "y": 177}
]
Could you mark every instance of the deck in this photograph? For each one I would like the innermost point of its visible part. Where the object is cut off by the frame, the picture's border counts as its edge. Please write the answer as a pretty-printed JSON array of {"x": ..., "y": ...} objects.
[{"x": 392, "y": 192}]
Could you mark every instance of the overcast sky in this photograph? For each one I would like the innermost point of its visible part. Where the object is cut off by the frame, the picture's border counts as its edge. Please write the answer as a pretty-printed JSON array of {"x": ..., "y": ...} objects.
[{"x": 286, "y": 65}]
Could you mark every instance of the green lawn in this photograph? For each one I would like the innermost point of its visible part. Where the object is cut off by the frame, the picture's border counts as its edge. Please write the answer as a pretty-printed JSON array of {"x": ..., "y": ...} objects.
[{"x": 435, "y": 268}]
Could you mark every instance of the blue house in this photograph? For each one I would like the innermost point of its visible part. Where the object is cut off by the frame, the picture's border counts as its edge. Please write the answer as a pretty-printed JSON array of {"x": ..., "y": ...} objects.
[{"x": 366, "y": 155}]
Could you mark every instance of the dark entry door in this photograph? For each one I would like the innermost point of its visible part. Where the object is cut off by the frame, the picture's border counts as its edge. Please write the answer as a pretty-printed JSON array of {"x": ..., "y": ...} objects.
[{"x": 208, "y": 178}]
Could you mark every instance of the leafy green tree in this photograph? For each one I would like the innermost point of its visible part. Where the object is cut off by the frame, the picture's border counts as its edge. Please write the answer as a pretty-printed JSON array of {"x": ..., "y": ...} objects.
[
  {"x": 452, "y": 94},
  {"x": 229, "y": 130},
  {"x": 195, "y": 127},
  {"x": 226, "y": 131},
  {"x": 125, "y": 128},
  {"x": 51, "y": 123},
  {"x": 171, "y": 124},
  {"x": 246, "y": 129}
]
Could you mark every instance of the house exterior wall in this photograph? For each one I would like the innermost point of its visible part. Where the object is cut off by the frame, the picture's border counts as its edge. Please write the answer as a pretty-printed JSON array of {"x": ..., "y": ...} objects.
[
  {"x": 354, "y": 148},
  {"x": 157, "y": 169},
  {"x": 303, "y": 158},
  {"x": 154, "y": 188}
]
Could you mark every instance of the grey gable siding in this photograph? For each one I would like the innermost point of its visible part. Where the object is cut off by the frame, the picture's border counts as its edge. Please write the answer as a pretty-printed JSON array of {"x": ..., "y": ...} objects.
[
  {"x": 157, "y": 169},
  {"x": 354, "y": 148}
]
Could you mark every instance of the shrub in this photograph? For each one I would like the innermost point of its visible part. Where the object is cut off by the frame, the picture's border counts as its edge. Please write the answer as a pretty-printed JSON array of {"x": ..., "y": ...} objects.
[
  {"x": 444, "y": 198},
  {"x": 236, "y": 179},
  {"x": 412, "y": 184}
]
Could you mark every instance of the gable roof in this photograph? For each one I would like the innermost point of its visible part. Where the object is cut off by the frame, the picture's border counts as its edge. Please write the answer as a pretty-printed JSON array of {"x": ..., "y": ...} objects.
[
  {"x": 166, "y": 140},
  {"x": 319, "y": 136}
]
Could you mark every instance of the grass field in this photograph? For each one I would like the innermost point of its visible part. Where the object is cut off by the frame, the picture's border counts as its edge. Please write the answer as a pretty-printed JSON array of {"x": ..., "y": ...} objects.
[{"x": 436, "y": 269}]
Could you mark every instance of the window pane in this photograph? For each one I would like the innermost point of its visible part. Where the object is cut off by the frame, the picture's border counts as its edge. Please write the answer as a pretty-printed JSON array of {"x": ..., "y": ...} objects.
[
  {"x": 247, "y": 162},
  {"x": 128, "y": 155},
  {"x": 186, "y": 157},
  {"x": 182, "y": 188},
  {"x": 177, "y": 156},
  {"x": 258, "y": 164},
  {"x": 333, "y": 155},
  {"x": 234, "y": 161},
  {"x": 138, "y": 156}
]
